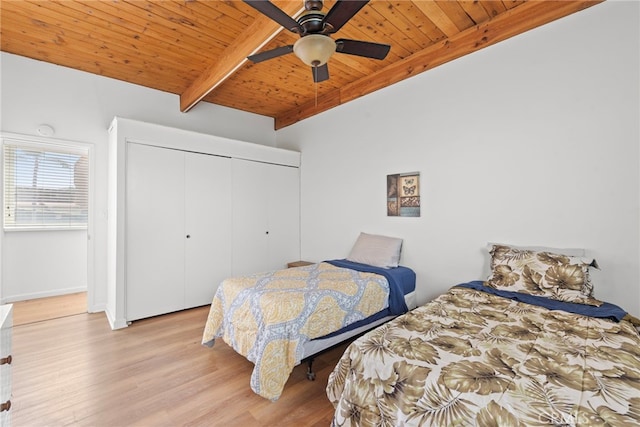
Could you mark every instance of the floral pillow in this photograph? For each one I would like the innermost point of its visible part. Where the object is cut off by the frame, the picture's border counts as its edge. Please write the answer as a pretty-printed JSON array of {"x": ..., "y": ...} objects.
[{"x": 552, "y": 275}]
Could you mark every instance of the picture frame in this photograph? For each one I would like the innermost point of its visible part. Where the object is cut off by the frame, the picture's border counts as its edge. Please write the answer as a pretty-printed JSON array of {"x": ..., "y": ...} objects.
[{"x": 403, "y": 194}]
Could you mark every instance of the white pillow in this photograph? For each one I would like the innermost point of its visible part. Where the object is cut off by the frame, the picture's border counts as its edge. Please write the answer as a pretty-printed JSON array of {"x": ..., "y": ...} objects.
[{"x": 376, "y": 250}]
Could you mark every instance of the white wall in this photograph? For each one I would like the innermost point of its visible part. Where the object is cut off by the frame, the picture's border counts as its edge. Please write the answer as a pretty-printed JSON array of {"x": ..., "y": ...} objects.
[
  {"x": 531, "y": 141},
  {"x": 80, "y": 106},
  {"x": 59, "y": 266}
]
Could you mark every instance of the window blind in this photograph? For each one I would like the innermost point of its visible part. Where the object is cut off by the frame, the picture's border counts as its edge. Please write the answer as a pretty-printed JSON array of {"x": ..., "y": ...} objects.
[{"x": 45, "y": 186}]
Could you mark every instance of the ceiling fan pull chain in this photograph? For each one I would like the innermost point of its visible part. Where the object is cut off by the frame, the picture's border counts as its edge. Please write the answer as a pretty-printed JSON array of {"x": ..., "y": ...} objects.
[{"x": 315, "y": 83}]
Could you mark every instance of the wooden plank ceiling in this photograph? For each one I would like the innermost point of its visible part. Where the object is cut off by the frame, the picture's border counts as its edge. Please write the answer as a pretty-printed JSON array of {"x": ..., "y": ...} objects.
[{"x": 197, "y": 48}]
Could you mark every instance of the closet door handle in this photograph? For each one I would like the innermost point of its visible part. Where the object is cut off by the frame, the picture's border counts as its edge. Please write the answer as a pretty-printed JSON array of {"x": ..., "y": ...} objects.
[
  {"x": 6, "y": 360},
  {"x": 5, "y": 406}
]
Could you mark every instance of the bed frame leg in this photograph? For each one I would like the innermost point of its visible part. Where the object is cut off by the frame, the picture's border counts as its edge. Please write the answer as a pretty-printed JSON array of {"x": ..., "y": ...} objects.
[{"x": 311, "y": 376}]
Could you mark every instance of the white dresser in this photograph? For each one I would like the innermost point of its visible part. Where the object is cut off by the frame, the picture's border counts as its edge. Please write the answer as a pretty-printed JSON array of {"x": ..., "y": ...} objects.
[{"x": 6, "y": 316}]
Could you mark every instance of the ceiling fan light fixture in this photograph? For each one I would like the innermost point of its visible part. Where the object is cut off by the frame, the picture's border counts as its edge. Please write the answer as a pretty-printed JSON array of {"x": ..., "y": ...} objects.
[{"x": 314, "y": 49}]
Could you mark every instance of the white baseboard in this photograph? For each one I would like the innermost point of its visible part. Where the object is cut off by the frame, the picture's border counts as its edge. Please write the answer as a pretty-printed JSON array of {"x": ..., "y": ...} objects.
[
  {"x": 35, "y": 295},
  {"x": 114, "y": 323}
]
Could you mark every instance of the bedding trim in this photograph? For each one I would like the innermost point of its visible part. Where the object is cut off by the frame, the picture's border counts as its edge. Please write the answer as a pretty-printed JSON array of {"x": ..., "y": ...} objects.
[{"x": 604, "y": 311}]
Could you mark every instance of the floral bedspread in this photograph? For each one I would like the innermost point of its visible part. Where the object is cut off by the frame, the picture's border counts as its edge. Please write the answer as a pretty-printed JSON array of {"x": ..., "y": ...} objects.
[
  {"x": 268, "y": 317},
  {"x": 469, "y": 358}
]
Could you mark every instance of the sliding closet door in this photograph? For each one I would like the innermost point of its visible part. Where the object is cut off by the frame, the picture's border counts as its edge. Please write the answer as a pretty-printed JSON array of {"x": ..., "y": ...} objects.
[
  {"x": 155, "y": 247},
  {"x": 283, "y": 207},
  {"x": 250, "y": 229},
  {"x": 266, "y": 216},
  {"x": 207, "y": 226}
]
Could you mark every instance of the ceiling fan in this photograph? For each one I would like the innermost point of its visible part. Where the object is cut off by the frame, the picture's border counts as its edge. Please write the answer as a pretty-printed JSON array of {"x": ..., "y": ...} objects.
[{"x": 315, "y": 47}]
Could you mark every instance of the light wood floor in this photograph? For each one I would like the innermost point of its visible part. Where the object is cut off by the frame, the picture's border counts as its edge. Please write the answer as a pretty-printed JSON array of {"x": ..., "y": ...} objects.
[
  {"x": 76, "y": 371},
  {"x": 37, "y": 310}
]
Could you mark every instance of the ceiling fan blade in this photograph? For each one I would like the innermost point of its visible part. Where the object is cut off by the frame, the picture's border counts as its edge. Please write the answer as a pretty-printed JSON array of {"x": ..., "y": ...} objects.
[
  {"x": 269, "y": 54},
  {"x": 360, "y": 48},
  {"x": 274, "y": 12},
  {"x": 320, "y": 73},
  {"x": 341, "y": 12}
]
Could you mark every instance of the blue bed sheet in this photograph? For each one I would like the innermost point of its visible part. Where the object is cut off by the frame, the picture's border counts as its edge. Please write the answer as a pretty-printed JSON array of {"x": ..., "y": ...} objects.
[
  {"x": 402, "y": 280},
  {"x": 605, "y": 311}
]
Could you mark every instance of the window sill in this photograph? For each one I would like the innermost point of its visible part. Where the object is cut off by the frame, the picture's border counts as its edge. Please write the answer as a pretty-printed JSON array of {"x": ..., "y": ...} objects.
[{"x": 14, "y": 229}]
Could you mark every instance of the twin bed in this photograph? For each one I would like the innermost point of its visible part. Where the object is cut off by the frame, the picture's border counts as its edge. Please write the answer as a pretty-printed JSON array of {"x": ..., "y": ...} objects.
[
  {"x": 530, "y": 346},
  {"x": 278, "y": 318}
]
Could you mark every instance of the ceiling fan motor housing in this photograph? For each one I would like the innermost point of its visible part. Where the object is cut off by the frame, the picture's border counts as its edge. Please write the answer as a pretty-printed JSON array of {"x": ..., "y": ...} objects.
[{"x": 312, "y": 22}]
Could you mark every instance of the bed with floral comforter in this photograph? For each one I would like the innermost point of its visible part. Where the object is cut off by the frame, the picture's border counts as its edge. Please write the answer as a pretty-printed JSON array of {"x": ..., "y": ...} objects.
[
  {"x": 268, "y": 317},
  {"x": 473, "y": 358}
]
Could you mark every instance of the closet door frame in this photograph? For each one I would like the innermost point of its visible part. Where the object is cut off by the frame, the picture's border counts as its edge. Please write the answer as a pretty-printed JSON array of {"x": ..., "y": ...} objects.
[{"x": 122, "y": 132}]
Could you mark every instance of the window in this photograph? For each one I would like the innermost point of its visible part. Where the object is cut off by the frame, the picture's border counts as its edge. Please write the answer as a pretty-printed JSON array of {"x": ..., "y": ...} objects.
[{"x": 45, "y": 186}]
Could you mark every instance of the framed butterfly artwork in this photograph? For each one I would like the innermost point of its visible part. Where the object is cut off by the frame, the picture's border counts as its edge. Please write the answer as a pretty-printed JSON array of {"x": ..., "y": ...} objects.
[{"x": 403, "y": 194}]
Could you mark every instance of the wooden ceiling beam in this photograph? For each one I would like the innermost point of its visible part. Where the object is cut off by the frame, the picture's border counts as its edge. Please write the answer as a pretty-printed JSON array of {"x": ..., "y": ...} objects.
[
  {"x": 254, "y": 37},
  {"x": 517, "y": 20}
]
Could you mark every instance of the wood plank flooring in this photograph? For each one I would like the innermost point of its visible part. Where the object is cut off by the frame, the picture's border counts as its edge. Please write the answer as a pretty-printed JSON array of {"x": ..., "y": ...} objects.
[
  {"x": 37, "y": 310},
  {"x": 76, "y": 371}
]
